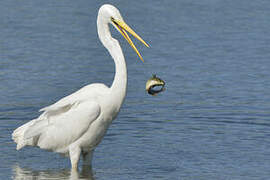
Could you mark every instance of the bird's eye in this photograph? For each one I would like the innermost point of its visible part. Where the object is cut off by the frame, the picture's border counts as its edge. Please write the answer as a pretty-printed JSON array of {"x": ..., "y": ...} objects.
[{"x": 112, "y": 18}]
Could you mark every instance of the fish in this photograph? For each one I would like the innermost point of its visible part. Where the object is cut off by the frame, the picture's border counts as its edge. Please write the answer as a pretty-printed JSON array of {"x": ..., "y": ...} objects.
[{"x": 154, "y": 85}]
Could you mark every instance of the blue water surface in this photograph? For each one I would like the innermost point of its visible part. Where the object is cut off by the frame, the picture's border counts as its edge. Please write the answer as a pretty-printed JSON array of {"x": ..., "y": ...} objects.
[{"x": 212, "y": 122}]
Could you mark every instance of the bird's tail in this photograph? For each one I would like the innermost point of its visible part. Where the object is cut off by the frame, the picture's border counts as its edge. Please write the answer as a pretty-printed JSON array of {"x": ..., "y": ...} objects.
[{"x": 18, "y": 136}]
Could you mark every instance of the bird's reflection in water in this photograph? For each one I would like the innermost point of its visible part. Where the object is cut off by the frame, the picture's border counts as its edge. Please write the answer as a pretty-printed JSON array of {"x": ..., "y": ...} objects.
[{"x": 86, "y": 173}]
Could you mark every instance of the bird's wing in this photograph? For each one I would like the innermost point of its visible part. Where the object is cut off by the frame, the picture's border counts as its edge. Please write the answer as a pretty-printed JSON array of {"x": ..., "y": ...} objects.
[
  {"x": 65, "y": 121},
  {"x": 64, "y": 125}
]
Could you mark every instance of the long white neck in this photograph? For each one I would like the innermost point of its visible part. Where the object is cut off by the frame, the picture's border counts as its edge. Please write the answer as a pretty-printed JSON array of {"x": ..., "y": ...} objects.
[{"x": 119, "y": 85}]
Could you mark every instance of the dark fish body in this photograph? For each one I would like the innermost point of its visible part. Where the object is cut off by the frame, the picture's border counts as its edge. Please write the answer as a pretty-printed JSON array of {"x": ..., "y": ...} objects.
[{"x": 154, "y": 85}]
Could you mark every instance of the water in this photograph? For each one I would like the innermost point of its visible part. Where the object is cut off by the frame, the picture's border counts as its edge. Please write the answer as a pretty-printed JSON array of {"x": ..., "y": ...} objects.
[{"x": 212, "y": 122}]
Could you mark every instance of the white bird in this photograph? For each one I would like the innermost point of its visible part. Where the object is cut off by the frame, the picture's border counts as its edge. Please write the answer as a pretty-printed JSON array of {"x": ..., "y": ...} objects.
[{"x": 77, "y": 123}]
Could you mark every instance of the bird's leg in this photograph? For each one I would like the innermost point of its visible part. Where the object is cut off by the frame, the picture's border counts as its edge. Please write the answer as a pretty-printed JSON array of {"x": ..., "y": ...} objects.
[
  {"x": 74, "y": 174},
  {"x": 87, "y": 158},
  {"x": 74, "y": 154}
]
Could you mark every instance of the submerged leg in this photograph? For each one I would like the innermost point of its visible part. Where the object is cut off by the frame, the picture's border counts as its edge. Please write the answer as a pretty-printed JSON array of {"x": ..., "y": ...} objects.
[
  {"x": 74, "y": 155},
  {"x": 87, "y": 158}
]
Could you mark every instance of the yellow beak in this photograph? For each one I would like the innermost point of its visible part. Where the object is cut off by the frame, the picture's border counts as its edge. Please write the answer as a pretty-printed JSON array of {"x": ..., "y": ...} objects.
[{"x": 122, "y": 27}]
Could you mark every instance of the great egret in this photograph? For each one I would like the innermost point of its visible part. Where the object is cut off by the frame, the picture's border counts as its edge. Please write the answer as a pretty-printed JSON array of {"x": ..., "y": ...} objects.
[{"x": 77, "y": 123}]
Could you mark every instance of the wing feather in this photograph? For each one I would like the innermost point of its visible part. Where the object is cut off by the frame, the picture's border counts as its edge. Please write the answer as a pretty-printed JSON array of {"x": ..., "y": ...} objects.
[
  {"x": 65, "y": 121},
  {"x": 58, "y": 130}
]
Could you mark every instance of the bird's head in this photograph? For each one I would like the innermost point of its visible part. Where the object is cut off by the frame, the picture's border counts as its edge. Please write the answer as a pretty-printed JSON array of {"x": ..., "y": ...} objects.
[{"x": 111, "y": 15}]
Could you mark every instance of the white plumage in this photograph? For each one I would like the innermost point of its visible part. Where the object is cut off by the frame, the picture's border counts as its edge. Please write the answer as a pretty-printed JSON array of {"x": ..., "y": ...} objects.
[{"x": 77, "y": 123}]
